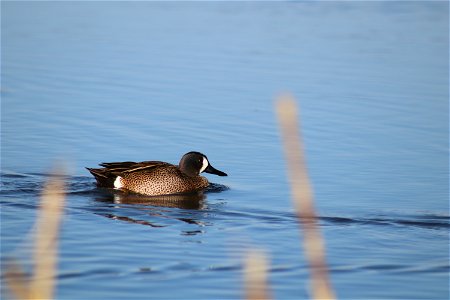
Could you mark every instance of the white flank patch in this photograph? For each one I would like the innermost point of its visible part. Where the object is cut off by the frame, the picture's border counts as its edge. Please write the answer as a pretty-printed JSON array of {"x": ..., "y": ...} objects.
[
  {"x": 118, "y": 184},
  {"x": 205, "y": 164}
]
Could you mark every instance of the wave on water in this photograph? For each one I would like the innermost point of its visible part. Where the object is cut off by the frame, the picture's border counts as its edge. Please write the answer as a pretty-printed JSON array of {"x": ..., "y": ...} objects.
[{"x": 430, "y": 221}]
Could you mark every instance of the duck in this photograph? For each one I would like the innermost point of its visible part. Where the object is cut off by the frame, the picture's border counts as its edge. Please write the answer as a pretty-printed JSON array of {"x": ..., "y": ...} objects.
[{"x": 155, "y": 178}]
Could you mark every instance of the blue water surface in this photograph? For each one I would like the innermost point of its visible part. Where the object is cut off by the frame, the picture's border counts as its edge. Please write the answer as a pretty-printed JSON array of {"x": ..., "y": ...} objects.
[{"x": 91, "y": 82}]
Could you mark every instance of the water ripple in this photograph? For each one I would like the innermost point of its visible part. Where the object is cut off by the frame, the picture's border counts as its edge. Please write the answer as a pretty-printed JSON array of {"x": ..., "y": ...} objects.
[
  {"x": 423, "y": 221},
  {"x": 20, "y": 184}
]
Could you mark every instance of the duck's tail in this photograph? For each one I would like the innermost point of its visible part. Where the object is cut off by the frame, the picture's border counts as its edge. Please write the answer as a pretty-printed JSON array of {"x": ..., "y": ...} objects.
[{"x": 103, "y": 176}]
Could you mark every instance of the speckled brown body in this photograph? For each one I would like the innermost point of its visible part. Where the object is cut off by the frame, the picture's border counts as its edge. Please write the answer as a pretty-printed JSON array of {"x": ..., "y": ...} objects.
[{"x": 162, "y": 180}]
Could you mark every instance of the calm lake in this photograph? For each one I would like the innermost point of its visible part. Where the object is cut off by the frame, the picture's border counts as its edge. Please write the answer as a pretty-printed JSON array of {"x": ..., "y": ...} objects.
[{"x": 91, "y": 82}]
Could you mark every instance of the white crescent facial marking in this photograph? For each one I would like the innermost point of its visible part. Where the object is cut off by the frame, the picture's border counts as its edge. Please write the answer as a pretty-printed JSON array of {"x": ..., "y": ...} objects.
[
  {"x": 118, "y": 184},
  {"x": 205, "y": 164}
]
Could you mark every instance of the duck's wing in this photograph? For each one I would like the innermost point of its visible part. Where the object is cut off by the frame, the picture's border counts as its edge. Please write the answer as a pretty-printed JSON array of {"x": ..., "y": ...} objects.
[
  {"x": 130, "y": 166},
  {"x": 106, "y": 176},
  {"x": 116, "y": 165}
]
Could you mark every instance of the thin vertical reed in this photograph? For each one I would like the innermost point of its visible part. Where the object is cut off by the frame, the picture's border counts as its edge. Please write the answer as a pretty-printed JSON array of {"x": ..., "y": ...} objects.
[
  {"x": 16, "y": 281},
  {"x": 303, "y": 197},
  {"x": 255, "y": 275},
  {"x": 45, "y": 252}
]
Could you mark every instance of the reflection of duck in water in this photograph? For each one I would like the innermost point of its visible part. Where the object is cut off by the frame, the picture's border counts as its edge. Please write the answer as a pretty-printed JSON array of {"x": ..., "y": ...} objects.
[
  {"x": 193, "y": 200},
  {"x": 154, "y": 178},
  {"x": 152, "y": 207}
]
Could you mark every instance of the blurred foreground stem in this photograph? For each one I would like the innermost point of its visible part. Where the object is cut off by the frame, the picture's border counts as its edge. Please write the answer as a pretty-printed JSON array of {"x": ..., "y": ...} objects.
[
  {"x": 303, "y": 198},
  {"x": 45, "y": 252}
]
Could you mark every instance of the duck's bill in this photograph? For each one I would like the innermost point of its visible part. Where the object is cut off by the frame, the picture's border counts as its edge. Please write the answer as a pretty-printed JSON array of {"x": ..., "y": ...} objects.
[{"x": 210, "y": 169}]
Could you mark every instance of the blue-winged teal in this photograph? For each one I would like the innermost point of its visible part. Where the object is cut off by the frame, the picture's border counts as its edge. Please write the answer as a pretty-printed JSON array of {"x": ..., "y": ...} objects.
[{"x": 156, "y": 177}]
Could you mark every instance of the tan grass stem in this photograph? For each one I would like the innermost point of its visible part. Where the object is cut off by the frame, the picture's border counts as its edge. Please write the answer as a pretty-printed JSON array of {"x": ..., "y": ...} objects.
[
  {"x": 45, "y": 252},
  {"x": 255, "y": 275},
  {"x": 303, "y": 198}
]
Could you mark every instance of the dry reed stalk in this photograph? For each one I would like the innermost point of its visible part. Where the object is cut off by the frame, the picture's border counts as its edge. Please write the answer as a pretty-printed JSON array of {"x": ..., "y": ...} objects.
[
  {"x": 303, "y": 197},
  {"x": 16, "y": 280},
  {"x": 45, "y": 252},
  {"x": 255, "y": 274}
]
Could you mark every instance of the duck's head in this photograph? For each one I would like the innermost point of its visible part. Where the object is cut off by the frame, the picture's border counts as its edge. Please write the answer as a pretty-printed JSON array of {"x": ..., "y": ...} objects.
[{"x": 193, "y": 163}]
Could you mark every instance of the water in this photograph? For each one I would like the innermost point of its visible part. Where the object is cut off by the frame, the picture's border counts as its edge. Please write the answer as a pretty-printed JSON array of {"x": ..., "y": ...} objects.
[{"x": 94, "y": 82}]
